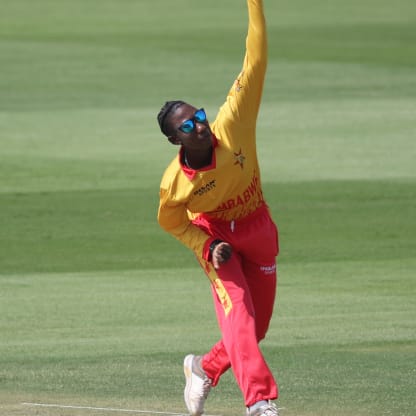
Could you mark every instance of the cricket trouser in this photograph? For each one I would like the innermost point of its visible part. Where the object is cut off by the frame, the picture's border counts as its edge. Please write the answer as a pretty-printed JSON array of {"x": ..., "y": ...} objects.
[{"x": 244, "y": 291}]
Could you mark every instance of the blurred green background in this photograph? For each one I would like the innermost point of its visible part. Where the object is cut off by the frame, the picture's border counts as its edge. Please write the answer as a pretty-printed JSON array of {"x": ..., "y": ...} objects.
[{"x": 98, "y": 306}]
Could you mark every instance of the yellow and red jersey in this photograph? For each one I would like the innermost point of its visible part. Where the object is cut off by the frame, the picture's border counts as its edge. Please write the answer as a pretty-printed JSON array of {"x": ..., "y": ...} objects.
[{"x": 229, "y": 188}]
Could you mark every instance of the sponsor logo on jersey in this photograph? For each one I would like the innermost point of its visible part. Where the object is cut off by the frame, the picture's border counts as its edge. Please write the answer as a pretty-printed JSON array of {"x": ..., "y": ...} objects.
[{"x": 206, "y": 188}]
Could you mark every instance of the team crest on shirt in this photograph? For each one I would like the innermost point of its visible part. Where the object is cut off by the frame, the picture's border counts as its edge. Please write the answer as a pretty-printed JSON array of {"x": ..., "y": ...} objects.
[{"x": 239, "y": 158}]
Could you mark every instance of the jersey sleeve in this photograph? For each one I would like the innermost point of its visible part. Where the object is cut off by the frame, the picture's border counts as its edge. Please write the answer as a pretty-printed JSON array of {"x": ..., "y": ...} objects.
[
  {"x": 244, "y": 97},
  {"x": 173, "y": 218}
]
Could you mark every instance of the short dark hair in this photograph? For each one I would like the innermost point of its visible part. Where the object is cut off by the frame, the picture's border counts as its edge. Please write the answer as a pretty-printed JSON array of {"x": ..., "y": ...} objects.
[{"x": 164, "y": 113}]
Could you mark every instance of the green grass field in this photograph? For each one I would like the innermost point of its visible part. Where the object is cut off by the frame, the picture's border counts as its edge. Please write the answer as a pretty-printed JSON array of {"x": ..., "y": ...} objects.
[{"x": 98, "y": 306}]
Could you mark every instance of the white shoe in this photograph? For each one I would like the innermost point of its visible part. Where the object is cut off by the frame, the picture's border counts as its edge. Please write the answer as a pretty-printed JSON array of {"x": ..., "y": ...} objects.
[
  {"x": 197, "y": 387},
  {"x": 268, "y": 409}
]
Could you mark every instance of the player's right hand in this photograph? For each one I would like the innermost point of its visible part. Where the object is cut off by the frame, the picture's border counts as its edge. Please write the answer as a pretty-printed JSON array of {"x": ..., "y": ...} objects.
[{"x": 221, "y": 254}]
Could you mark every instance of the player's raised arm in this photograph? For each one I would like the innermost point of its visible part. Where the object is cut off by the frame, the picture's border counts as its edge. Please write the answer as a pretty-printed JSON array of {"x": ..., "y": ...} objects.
[{"x": 245, "y": 95}]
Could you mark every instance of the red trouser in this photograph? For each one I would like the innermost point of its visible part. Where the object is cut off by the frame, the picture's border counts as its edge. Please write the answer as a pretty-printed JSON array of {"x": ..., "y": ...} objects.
[{"x": 244, "y": 291}]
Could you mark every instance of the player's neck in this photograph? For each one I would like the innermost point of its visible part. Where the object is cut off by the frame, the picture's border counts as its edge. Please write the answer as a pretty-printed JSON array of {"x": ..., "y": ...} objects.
[{"x": 197, "y": 160}]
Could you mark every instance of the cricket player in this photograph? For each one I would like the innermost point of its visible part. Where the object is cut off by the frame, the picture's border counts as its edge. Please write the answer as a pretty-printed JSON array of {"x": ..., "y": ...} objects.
[{"x": 211, "y": 200}]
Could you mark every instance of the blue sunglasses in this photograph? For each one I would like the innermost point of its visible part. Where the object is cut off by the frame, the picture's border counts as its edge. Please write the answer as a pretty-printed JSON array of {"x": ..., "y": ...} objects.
[{"x": 189, "y": 126}]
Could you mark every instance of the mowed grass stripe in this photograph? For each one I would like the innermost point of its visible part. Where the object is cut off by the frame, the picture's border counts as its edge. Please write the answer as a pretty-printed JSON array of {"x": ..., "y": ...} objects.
[
  {"x": 117, "y": 229},
  {"x": 98, "y": 306},
  {"x": 114, "y": 335},
  {"x": 312, "y": 298}
]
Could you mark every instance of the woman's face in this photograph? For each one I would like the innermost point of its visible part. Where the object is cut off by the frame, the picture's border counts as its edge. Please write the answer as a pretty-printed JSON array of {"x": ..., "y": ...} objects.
[{"x": 190, "y": 128}]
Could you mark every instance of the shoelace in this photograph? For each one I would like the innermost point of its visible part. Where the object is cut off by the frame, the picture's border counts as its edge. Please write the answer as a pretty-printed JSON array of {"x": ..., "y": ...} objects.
[
  {"x": 206, "y": 387},
  {"x": 267, "y": 410},
  {"x": 270, "y": 412}
]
